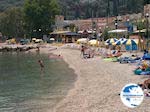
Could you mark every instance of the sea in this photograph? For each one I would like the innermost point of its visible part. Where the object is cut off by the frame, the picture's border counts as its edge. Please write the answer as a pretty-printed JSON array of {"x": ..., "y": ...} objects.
[{"x": 24, "y": 88}]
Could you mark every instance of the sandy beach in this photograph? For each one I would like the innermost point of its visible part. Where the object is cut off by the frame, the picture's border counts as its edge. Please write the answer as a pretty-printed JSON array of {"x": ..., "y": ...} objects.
[{"x": 98, "y": 85}]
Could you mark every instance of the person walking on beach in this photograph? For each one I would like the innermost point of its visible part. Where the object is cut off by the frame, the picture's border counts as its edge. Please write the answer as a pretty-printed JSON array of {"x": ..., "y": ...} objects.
[
  {"x": 82, "y": 50},
  {"x": 41, "y": 66}
]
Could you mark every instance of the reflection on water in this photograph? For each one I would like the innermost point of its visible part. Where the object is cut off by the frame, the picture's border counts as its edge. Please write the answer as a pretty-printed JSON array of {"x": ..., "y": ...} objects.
[{"x": 24, "y": 89}]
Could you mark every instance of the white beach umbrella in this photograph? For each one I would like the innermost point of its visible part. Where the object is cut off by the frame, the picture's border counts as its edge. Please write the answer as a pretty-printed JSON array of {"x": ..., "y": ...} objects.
[
  {"x": 82, "y": 40},
  {"x": 33, "y": 39},
  {"x": 93, "y": 42},
  {"x": 52, "y": 39}
]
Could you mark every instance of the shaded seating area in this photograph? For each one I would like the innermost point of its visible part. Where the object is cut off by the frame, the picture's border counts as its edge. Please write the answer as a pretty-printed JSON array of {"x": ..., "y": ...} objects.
[{"x": 65, "y": 36}]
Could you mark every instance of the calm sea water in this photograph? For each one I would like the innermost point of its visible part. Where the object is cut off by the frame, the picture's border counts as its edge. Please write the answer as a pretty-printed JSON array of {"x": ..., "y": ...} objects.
[{"x": 24, "y": 89}]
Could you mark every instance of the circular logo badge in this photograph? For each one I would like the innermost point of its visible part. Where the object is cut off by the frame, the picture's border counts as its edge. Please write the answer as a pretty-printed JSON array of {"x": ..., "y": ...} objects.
[{"x": 132, "y": 95}]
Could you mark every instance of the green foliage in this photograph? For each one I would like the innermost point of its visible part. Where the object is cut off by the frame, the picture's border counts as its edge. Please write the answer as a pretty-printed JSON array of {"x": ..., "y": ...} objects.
[
  {"x": 72, "y": 9},
  {"x": 141, "y": 24},
  {"x": 11, "y": 22},
  {"x": 146, "y": 1},
  {"x": 5, "y": 4},
  {"x": 76, "y": 9},
  {"x": 105, "y": 33},
  {"x": 72, "y": 27},
  {"x": 40, "y": 14}
]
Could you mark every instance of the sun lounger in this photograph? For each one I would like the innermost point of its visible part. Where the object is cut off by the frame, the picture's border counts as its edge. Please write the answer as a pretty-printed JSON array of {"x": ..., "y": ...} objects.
[{"x": 146, "y": 56}]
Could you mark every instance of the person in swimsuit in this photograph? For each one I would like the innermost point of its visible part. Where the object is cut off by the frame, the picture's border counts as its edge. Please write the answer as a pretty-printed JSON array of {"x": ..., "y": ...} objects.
[{"x": 41, "y": 65}]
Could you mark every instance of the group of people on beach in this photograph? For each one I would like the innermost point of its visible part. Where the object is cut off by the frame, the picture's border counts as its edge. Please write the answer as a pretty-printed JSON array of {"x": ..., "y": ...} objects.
[{"x": 87, "y": 52}]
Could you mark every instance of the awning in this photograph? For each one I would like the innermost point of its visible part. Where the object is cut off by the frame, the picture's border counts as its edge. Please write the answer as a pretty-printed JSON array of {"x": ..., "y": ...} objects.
[
  {"x": 59, "y": 32},
  {"x": 140, "y": 31},
  {"x": 72, "y": 34},
  {"x": 117, "y": 31}
]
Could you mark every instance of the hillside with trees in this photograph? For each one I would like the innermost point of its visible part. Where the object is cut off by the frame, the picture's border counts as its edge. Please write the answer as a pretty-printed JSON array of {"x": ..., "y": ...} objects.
[
  {"x": 5, "y": 4},
  {"x": 76, "y": 9},
  {"x": 36, "y": 17}
]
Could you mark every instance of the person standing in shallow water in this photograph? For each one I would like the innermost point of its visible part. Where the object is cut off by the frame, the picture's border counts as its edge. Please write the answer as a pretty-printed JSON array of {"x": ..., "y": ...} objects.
[
  {"x": 41, "y": 66},
  {"x": 38, "y": 50}
]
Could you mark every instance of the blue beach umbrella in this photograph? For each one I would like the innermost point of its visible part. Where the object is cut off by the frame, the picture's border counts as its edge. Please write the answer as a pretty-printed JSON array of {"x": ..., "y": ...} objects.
[
  {"x": 120, "y": 41},
  {"x": 129, "y": 42},
  {"x": 111, "y": 41}
]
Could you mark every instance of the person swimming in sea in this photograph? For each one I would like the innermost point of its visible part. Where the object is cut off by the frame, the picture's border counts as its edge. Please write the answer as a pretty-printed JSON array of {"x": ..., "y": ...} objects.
[
  {"x": 41, "y": 65},
  {"x": 54, "y": 56}
]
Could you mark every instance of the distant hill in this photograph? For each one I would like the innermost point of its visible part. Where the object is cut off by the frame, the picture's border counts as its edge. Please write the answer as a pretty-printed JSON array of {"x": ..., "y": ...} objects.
[
  {"x": 81, "y": 9},
  {"x": 4, "y": 4}
]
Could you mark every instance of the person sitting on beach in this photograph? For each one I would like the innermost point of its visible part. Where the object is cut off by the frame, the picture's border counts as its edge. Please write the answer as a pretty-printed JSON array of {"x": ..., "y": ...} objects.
[
  {"x": 145, "y": 84},
  {"x": 92, "y": 53},
  {"x": 146, "y": 87},
  {"x": 117, "y": 54},
  {"x": 143, "y": 66}
]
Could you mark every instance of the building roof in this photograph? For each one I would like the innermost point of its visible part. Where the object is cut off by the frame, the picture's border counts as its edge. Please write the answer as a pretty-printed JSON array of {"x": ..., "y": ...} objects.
[{"x": 71, "y": 34}]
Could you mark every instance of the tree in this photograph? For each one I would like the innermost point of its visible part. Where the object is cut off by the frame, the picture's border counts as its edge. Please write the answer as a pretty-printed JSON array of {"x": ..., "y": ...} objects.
[
  {"x": 11, "y": 22},
  {"x": 146, "y": 1},
  {"x": 40, "y": 15}
]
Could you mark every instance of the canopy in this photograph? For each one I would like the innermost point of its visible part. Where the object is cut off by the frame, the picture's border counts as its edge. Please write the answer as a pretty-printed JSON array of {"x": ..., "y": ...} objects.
[
  {"x": 88, "y": 31},
  {"x": 117, "y": 31},
  {"x": 59, "y": 32},
  {"x": 140, "y": 31},
  {"x": 72, "y": 34}
]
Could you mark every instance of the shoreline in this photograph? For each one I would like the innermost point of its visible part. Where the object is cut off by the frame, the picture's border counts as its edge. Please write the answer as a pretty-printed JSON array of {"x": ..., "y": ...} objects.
[
  {"x": 97, "y": 87},
  {"x": 97, "y": 84}
]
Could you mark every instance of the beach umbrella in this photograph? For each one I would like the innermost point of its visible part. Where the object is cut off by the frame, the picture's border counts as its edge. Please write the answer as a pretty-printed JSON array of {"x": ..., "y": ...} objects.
[
  {"x": 120, "y": 41},
  {"x": 130, "y": 42},
  {"x": 93, "y": 42},
  {"x": 110, "y": 41},
  {"x": 82, "y": 41},
  {"x": 52, "y": 39},
  {"x": 38, "y": 40}
]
